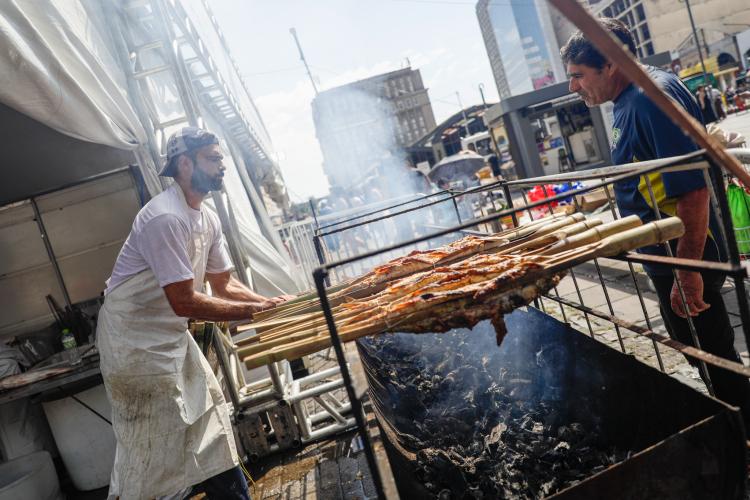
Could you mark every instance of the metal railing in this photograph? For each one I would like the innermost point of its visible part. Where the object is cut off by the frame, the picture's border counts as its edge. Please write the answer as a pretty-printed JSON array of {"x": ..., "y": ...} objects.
[{"x": 602, "y": 178}]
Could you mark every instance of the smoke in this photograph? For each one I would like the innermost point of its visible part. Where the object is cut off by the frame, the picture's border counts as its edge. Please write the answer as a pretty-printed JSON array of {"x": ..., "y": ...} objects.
[
  {"x": 360, "y": 137},
  {"x": 368, "y": 168},
  {"x": 533, "y": 367}
]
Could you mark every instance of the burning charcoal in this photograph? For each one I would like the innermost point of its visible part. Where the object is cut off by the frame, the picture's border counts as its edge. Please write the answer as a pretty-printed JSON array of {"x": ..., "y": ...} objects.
[
  {"x": 487, "y": 429},
  {"x": 562, "y": 446},
  {"x": 493, "y": 440}
]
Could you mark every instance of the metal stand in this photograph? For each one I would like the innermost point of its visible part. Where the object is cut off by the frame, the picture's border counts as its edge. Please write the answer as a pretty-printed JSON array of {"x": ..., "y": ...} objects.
[{"x": 613, "y": 175}]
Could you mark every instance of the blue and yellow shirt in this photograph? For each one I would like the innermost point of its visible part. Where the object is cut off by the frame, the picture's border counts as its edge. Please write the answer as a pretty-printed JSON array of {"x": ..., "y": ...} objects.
[{"x": 643, "y": 132}]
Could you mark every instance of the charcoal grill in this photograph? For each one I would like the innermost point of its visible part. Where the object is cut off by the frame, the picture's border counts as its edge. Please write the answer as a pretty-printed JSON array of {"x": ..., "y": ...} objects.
[
  {"x": 681, "y": 443},
  {"x": 664, "y": 442}
]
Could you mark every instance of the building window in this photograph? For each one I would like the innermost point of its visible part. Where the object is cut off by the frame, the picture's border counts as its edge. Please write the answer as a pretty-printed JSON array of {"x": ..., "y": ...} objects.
[
  {"x": 640, "y": 14},
  {"x": 645, "y": 33},
  {"x": 640, "y": 53},
  {"x": 649, "y": 49},
  {"x": 421, "y": 121}
]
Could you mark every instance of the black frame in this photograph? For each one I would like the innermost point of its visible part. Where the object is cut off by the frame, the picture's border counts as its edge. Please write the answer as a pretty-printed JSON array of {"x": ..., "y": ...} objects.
[{"x": 732, "y": 268}]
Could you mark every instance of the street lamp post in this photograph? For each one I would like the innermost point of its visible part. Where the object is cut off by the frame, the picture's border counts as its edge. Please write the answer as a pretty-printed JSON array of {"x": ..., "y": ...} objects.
[
  {"x": 489, "y": 128},
  {"x": 463, "y": 113},
  {"x": 481, "y": 92},
  {"x": 697, "y": 42}
]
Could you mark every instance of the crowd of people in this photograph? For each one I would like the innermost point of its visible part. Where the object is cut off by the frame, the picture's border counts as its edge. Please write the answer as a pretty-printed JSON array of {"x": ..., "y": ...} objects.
[{"x": 715, "y": 104}]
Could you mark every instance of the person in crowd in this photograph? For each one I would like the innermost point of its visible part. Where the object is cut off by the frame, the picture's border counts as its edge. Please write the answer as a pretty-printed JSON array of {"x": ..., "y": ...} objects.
[
  {"x": 494, "y": 164},
  {"x": 716, "y": 99},
  {"x": 641, "y": 131},
  {"x": 706, "y": 106}
]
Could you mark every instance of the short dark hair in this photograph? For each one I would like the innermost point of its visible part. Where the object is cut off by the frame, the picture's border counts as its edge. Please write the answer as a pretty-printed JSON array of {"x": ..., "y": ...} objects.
[{"x": 579, "y": 50}]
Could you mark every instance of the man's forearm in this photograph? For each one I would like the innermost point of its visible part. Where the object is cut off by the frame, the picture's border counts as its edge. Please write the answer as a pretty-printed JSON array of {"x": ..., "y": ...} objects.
[
  {"x": 692, "y": 209},
  {"x": 236, "y": 291},
  {"x": 202, "y": 306}
]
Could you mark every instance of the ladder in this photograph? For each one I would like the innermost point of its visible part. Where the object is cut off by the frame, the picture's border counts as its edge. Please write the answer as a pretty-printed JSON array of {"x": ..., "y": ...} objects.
[{"x": 172, "y": 78}]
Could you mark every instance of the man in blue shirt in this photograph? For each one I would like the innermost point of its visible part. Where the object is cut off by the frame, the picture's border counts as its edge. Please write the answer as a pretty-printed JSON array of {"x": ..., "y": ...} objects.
[{"x": 641, "y": 131}]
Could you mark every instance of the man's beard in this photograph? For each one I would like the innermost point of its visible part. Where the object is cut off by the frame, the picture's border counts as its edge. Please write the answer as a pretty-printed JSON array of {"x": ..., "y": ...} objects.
[{"x": 203, "y": 183}]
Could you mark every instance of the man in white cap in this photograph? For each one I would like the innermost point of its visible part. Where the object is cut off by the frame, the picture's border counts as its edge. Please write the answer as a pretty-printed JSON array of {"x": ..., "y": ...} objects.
[{"x": 168, "y": 412}]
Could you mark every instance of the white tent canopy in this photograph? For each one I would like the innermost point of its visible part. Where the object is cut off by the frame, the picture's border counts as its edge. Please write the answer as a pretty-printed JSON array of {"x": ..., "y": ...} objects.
[{"x": 59, "y": 66}]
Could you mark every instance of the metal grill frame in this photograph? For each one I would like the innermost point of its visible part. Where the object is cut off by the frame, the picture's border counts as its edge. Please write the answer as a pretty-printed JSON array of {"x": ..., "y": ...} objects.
[{"x": 607, "y": 177}]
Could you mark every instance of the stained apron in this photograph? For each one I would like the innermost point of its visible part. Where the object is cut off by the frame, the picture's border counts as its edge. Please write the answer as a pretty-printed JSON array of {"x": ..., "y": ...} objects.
[{"x": 168, "y": 412}]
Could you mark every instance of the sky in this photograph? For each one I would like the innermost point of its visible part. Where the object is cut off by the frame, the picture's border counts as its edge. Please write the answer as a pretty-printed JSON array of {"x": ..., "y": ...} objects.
[{"x": 345, "y": 41}]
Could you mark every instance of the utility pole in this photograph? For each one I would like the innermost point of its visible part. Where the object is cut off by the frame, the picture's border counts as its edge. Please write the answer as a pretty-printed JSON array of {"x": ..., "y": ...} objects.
[
  {"x": 489, "y": 128},
  {"x": 697, "y": 42},
  {"x": 304, "y": 61}
]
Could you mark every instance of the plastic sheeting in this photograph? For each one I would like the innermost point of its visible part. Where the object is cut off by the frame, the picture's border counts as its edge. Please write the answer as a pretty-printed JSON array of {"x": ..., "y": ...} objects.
[
  {"x": 59, "y": 67},
  {"x": 270, "y": 272},
  {"x": 54, "y": 68}
]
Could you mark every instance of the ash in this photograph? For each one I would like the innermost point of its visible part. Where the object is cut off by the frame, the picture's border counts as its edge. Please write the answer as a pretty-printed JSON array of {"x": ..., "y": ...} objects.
[{"x": 483, "y": 425}]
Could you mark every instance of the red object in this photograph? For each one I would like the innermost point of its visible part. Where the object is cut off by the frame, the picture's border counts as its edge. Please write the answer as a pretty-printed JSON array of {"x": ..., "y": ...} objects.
[
  {"x": 537, "y": 193},
  {"x": 739, "y": 101}
]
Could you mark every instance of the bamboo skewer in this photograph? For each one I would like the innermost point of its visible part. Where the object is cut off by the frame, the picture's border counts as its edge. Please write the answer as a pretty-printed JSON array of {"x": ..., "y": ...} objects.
[
  {"x": 535, "y": 228},
  {"x": 562, "y": 239},
  {"x": 312, "y": 340}
]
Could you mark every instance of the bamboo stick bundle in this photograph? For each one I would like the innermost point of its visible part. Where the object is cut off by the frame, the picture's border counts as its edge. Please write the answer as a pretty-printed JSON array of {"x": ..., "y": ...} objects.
[
  {"x": 464, "y": 306},
  {"x": 476, "y": 269},
  {"x": 479, "y": 267},
  {"x": 284, "y": 324},
  {"x": 356, "y": 289}
]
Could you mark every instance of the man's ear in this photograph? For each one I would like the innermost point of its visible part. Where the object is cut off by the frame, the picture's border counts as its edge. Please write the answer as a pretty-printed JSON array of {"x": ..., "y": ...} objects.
[
  {"x": 184, "y": 164},
  {"x": 610, "y": 69}
]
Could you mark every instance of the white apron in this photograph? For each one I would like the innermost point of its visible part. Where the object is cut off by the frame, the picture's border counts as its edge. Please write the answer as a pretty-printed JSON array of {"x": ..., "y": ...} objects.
[{"x": 168, "y": 411}]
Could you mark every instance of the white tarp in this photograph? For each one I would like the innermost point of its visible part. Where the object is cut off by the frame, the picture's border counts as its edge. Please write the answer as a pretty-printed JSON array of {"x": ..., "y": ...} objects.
[
  {"x": 58, "y": 66},
  {"x": 53, "y": 68}
]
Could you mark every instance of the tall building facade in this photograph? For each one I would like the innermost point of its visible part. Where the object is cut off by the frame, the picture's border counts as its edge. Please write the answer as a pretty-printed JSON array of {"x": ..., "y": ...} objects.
[
  {"x": 364, "y": 124},
  {"x": 664, "y": 25},
  {"x": 521, "y": 44}
]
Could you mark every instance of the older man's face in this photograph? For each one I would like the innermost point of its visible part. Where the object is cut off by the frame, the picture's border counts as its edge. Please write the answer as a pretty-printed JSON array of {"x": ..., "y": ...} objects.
[{"x": 595, "y": 86}]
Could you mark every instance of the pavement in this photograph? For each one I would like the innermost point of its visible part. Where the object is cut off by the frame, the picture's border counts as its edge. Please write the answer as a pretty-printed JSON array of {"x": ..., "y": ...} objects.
[
  {"x": 618, "y": 283},
  {"x": 737, "y": 123},
  {"x": 607, "y": 282}
]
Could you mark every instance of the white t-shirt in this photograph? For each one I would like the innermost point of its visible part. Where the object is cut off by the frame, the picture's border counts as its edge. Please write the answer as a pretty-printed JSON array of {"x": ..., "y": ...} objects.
[{"x": 161, "y": 239}]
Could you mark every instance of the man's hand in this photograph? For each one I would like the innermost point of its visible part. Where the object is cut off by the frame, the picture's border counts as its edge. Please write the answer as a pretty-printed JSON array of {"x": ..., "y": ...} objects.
[
  {"x": 280, "y": 299},
  {"x": 272, "y": 302},
  {"x": 692, "y": 286}
]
